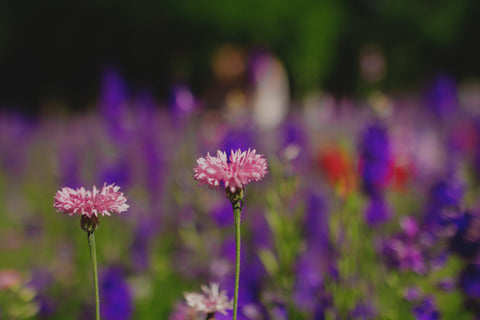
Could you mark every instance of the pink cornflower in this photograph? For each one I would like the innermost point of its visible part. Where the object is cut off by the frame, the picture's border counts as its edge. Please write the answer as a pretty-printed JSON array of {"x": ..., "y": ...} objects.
[
  {"x": 88, "y": 203},
  {"x": 242, "y": 168},
  {"x": 210, "y": 301}
]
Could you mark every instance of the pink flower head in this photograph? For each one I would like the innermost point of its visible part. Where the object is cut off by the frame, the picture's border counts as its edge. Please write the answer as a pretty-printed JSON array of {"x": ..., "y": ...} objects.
[
  {"x": 211, "y": 300},
  {"x": 91, "y": 203},
  {"x": 241, "y": 168}
]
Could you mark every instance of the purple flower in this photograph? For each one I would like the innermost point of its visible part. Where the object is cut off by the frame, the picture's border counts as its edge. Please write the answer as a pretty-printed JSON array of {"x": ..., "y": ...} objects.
[
  {"x": 41, "y": 282},
  {"x": 446, "y": 284},
  {"x": 470, "y": 280},
  {"x": 375, "y": 159},
  {"x": 222, "y": 214},
  {"x": 315, "y": 224},
  {"x": 363, "y": 311},
  {"x": 445, "y": 198},
  {"x": 441, "y": 96},
  {"x": 466, "y": 240},
  {"x": 308, "y": 285},
  {"x": 426, "y": 310},
  {"x": 412, "y": 294},
  {"x": 116, "y": 297},
  {"x": 117, "y": 172},
  {"x": 69, "y": 166},
  {"x": 447, "y": 192},
  {"x": 404, "y": 255},
  {"x": 114, "y": 103},
  {"x": 241, "y": 138},
  {"x": 377, "y": 211},
  {"x": 182, "y": 101}
]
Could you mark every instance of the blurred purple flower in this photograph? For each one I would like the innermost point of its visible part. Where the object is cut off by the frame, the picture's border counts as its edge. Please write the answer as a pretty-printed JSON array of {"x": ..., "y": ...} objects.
[
  {"x": 147, "y": 228},
  {"x": 375, "y": 159},
  {"x": 444, "y": 200},
  {"x": 41, "y": 281},
  {"x": 69, "y": 167},
  {"x": 182, "y": 102},
  {"x": 441, "y": 96},
  {"x": 363, "y": 311},
  {"x": 243, "y": 138},
  {"x": 16, "y": 131},
  {"x": 446, "y": 284},
  {"x": 426, "y": 310},
  {"x": 279, "y": 312},
  {"x": 114, "y": 103},
  {"x": 466, "y": 240},
  {"x": 404, "y": 255},
  {"x": 154, "y": 168},
  {"x": 410, "y": 227},
  {"x": 470, "y": 280},
  {"x": 116, "y": 297},
  {"x": 222, "y": 214},
  {"x": 377, "y": 211},
  {"x": 448, "y": 192},
  {"x": 117, "y": 172},
  {"x": 315, "y": 224},
  {"x": 308, "y": 286},
  {"x": 250, "y": 290},
  {"x": 412, "y": 294},
  {"x": 261, "y": 232}
]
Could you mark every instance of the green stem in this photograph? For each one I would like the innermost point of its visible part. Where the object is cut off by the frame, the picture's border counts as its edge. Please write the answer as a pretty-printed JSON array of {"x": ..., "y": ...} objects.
[
  {"x": 237, "y": 210},
  {"x": 93, "y": 255}
]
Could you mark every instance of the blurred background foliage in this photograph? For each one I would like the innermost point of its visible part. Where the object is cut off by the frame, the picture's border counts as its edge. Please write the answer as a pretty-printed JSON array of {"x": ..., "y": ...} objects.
[{"x": 58, "y": 49}]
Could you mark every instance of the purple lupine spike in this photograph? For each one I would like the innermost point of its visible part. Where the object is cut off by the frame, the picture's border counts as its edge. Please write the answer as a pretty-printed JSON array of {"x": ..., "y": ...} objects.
[
  {"x": 426, "y": 310},
  {"x": 116, "y": 297},
  {"x": 375, "y": 159},
  {"x": 377, "y": 211}
]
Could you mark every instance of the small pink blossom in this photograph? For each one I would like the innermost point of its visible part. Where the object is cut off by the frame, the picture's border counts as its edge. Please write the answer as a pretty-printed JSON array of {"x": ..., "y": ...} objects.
[
  {"x": 106, "y": 201},
  {"x": 242, "y": 168},
  {"x": 211, "y": 300}
]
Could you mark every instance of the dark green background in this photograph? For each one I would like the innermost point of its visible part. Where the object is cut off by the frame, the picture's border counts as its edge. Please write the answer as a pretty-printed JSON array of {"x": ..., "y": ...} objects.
[{"x": 56, "y": 48}]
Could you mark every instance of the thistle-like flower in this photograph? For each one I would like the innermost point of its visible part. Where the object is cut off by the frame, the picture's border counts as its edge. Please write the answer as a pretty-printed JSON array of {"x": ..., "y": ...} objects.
[
  {"x": 210, "y": 301},
  {"x": 240, "y": 169},
  {"x": 89, "y": 204},
  {"x": 106, "y": 201}
]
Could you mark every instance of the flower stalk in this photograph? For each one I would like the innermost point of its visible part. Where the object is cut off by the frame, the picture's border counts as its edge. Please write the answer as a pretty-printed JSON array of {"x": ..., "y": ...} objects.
[
  {"x": 234, "y": 173},
  {"x": 93, "y": 256},
  {"x": 236, "y": 199}
]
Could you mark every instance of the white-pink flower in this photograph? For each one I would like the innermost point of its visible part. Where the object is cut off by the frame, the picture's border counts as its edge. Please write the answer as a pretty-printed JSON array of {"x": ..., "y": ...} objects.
[
  {"x": 240, "y": 169},
  {"x": 211, "y": 300},
  {"x": 106, "y": 201}
]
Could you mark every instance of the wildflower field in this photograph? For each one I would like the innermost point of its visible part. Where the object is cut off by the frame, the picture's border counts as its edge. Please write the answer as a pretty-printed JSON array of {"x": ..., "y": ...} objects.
[{"x": 360, "y": 210}]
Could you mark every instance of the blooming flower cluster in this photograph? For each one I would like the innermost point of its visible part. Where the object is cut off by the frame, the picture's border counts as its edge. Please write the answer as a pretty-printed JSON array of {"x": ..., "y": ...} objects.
[
  {"x": 242, "y": 168},
  {"x": 210, "y": 301},
  {"x": 106, "y": 201}
]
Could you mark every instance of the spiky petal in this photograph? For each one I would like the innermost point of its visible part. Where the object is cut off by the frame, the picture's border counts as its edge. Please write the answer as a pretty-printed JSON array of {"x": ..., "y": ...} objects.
[
  {"x": 240, "y": 169},
  {"x": 106, "y": 201},
  {"x": 210, "y": 301}
]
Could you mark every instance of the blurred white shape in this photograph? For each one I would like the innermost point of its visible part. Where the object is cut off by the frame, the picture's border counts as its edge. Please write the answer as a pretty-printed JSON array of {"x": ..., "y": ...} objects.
[
  {"x": 271, "y": 91},
  {"x": 429, "y": 155},
  {"x": 381, "y": 103}
]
